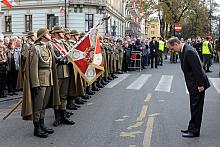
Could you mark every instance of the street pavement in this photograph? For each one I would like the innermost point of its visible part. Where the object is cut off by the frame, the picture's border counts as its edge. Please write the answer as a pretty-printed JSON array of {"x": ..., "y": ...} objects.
[{"x": 138, "y": 109}]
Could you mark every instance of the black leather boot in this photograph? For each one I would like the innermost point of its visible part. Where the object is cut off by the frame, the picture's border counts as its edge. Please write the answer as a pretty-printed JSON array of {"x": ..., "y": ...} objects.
[
  {"x": 110, "y": 78},
  {"x": 79, "y": 102},
  {"x": 86, "y": 97},
  {"x": 89, "y": 91},
  {"x": 71, "y": 106},
  {"x": 94, "y": 87},
  {"x": 114, "y": 76},
  {"x": 57, "y": 118},
  {"x": 106, "y": 80},
  {"x": 99, "y": 85},
  {"x": 68, "y": 114},
  {"x": 64, "y": 119},
  {"x": 44, "y": 128},
  {"x": 38, "y": 131}
]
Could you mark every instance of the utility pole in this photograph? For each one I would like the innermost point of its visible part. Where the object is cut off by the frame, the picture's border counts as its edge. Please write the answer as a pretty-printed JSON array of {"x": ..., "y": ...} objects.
[
  {"x": 65, "y": 17},
  {"x": 210, "y": 15}
]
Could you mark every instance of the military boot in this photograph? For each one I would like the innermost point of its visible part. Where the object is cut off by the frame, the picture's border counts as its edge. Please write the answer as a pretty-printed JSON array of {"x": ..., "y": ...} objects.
[
  {"x": 64, "y": 119},
  {"x": 57, "y": 118},
  {"x": 114, "y": 76},
  {"x": 103, "y": 82},
  {"x": 99, "y": 85},
  {"x": 68, "y": 114},
  {"x": 94, "y": 87},
  {"x": 38, "y": 131},
  {"x": 44, "y": 128},
  {"x": 107, "y": 80},
  {"x": 110, "y": 78},
  {"x": 86, "y": 97},
  {"x": 89, "y": 91}
]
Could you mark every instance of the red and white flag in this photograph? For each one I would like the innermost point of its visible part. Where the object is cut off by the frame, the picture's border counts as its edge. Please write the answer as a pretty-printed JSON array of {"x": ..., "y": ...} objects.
[
  {"x": 9, "y": 3},
  {"x": 86, "y": 57}
]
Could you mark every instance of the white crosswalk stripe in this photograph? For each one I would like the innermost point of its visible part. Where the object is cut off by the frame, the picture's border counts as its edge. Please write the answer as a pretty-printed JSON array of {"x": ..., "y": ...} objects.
[
  {"x": 164, "y": 83},
  {"x": 117, "y": 81},
  {"x": 139, "y": 82},
  {"x": 216, "y": 83}
]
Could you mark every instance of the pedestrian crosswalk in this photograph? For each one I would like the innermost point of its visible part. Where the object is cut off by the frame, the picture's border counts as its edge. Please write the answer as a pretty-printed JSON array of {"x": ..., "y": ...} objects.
[
  {"x": 163, "y": 84},
  {"x": 139, "y": 82}
]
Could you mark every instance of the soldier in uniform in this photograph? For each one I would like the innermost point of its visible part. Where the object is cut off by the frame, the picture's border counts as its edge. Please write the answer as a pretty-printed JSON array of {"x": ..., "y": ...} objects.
[
  {"x": 106, "y": 47},
  {"x": 76, "y": 80},
  {"x": 60, "y": 50},
  {"x": 121, "y": 55},
  {"x": 113, "y": 58},
  {"x": 31, "y": 38},
  {"x": 41, "y": 82}
]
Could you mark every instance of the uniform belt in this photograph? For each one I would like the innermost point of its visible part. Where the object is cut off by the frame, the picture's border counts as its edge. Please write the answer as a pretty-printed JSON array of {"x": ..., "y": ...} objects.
[{"x": 44, "y": 67}]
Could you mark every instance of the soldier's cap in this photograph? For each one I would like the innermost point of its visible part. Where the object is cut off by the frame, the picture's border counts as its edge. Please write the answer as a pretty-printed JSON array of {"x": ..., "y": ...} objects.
[
  {"x": 74, "y": 32},
  {"x": 29, "y": 34},
  {"x": 67, "y": 31},
  {"x": 120, "y": 40},
  {"x": 82, "y": 34},
  {"x": 57, "y": 29},
  {"x": 41, "y": 32}
]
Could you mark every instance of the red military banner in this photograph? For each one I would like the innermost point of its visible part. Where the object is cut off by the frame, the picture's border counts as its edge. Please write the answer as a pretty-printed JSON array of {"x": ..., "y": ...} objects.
[{"x": 86, "y": 57}]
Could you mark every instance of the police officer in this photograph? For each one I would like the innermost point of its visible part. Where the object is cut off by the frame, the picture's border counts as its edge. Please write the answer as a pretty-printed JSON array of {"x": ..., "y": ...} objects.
[
  {"x": 161, "y": 50},
  {"x": 206, "y": 52},
  {"x": 60, "y": 50}
]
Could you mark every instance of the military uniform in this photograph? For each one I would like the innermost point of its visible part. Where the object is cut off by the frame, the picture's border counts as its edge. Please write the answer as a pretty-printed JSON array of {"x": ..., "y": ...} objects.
[
  {"x": 41, "y": 83},
  {"x": 59, "y": 51},
  {"x": 120, "y": 56}
]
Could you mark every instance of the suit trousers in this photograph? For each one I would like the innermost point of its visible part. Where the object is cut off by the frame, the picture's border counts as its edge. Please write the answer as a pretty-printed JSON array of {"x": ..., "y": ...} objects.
[
  {"x": 63, "y": 89},
  {"x": 2, "y": 82},
  {"x": 154, "y": 59},
  {"x": 196, "y": 109},
  {"x": 206, "y": 62},
  {"x": 40, "y": 101}
]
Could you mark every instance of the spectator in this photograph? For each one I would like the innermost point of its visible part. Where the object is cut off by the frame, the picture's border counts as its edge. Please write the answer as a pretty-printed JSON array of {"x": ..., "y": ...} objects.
[
  {"x": 3, "y": 63},
  {"x": 127, "y": 56},
  {"x": 13, "y": 60}
]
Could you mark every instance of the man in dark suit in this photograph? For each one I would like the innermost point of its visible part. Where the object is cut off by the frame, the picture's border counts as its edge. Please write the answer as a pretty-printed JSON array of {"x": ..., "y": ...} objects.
[
  {"x": 154, "y": 50},
  {"x": 196, "y": 81}
]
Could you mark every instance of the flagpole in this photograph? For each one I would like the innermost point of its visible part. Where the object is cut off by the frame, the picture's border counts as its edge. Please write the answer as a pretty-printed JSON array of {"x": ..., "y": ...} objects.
[{"x": 100, "y": 22}]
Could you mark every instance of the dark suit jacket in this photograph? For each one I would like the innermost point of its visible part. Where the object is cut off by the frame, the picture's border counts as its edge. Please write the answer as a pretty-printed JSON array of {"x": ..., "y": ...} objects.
[
  {"x": 154, "y": 47},
  {"x": 192, "y": 69}
]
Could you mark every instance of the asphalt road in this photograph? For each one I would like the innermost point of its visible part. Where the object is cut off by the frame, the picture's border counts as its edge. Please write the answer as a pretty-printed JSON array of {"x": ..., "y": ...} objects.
[{"x": 139, "y": 109}]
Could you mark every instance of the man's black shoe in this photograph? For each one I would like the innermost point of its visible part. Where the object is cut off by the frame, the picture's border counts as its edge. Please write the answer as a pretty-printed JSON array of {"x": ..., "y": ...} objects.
[
  {"x": 190, "y": 135},
  {"x": 68, "y": 114},
  {"x": 82, "y": 100},
  {"x": 90, "y": 92},
  {"x": 71, "y": 106},
  {"x": 184, "y": 131}
]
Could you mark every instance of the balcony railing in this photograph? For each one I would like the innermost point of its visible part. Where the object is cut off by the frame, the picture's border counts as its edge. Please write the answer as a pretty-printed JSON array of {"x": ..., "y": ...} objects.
[{"x": 89, "y": 2}]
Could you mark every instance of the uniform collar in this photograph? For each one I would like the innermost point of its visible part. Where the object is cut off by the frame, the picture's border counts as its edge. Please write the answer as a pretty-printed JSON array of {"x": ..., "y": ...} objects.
[{"x": 183, "y": 44}]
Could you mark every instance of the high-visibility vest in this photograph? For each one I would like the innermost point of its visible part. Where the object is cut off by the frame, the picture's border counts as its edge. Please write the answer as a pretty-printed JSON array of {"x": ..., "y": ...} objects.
[
  {"x": 205, "y": 48},
  {"x": 161, "y": 45}
]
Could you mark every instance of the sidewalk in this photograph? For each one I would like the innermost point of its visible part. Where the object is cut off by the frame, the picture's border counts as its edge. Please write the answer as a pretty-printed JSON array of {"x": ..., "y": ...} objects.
[{"x": 8, "y": 97}]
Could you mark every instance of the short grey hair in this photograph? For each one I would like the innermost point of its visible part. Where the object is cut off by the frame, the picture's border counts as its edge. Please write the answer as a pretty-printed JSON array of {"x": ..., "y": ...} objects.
[{"x": 173, "y": 40}]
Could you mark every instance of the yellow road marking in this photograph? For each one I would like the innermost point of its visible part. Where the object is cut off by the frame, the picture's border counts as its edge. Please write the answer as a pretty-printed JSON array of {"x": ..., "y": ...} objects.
[
  {"x": 137, "y": 124},
  {"x": 155, "y": 114},
  {"x": 130, "y": 134},
  {"x": 148, "y": 98},
  {"x": 132, "y": 145},
  {"x": 118, "y": 120},
  {"x": 148, "y": 132},
  {"x": 143, "y": 113}
]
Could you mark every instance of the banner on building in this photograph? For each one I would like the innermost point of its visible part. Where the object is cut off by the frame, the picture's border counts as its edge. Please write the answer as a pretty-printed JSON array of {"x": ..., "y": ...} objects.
[
  {"x": 8, "y": 3},
  {"x": 86, "y": 57}
]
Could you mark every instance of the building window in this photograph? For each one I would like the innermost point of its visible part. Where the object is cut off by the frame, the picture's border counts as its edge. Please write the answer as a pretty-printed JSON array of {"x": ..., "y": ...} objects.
[
  {"x": 28, "y": 23},
  {"x": 8, "y": 24},
  {"x": 52, "y": 21},
  {"x": 153, "y": 26},
  {"x": 89, "y": 22},
  {"x": 152, "y": 32}
]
